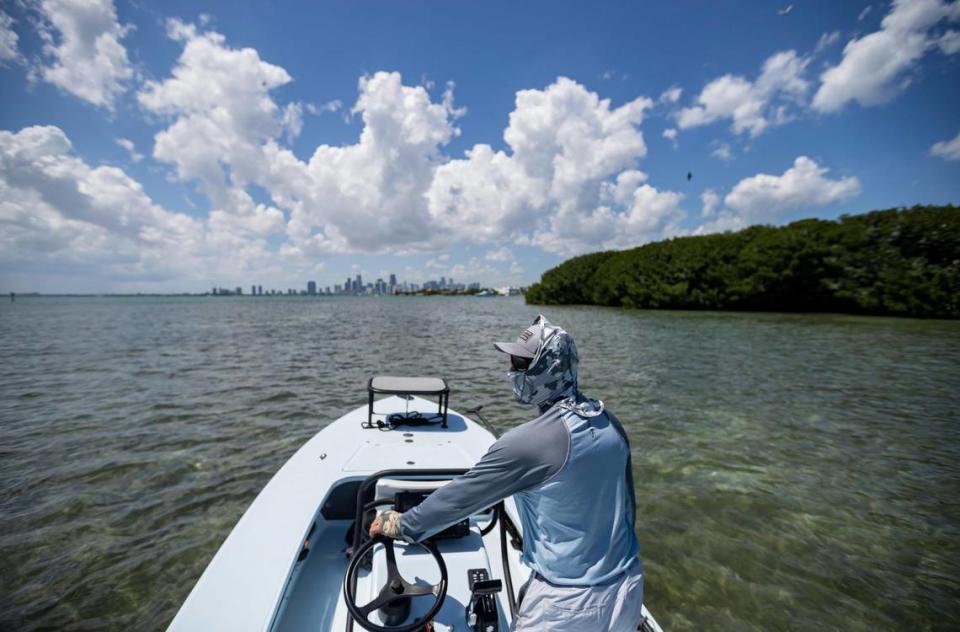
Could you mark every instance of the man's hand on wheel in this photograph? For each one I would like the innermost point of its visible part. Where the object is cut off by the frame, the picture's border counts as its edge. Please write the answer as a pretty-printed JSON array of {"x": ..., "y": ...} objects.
[{"x": 386, "y": 523}]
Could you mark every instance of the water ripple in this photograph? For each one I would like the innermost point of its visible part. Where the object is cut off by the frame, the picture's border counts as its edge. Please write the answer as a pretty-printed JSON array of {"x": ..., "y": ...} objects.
[{"x": 792, "y": 472}]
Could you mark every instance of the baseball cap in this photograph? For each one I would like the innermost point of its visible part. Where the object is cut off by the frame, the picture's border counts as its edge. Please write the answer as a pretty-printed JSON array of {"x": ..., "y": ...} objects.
[{"x": 527, "y": 343}]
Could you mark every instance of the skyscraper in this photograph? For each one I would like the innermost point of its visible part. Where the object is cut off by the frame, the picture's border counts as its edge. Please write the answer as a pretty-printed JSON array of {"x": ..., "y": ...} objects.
[
  {"x": 311, "y": 287},
  {"x": 260, "y": 290}
]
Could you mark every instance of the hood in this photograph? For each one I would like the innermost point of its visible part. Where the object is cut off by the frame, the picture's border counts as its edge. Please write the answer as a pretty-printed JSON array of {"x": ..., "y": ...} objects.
[{"x": 552, "y": 376}]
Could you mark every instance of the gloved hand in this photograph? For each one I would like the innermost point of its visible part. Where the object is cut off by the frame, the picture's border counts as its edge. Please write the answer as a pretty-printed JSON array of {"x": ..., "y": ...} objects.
[{"x": 386, "y": 523}]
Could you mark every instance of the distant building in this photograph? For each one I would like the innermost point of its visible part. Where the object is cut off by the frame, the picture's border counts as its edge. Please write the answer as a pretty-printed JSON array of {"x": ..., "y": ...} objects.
[
  {"x": 239, "y": 291},
  {"x": 260, "y": 290},
  {"x": 311, "y": 287}
]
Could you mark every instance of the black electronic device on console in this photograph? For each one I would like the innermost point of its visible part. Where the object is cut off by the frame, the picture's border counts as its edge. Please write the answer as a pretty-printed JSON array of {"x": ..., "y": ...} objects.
[
  {"x": 481, "y": 612},
  {"x": 405, "y": 501}
]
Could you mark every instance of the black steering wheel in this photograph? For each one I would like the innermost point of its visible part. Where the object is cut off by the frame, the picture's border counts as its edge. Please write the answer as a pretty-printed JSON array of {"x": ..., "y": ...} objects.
[{"x": 395, "y": 588}]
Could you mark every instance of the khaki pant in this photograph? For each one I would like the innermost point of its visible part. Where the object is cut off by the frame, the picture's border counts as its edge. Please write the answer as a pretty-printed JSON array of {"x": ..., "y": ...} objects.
[{"x": 613, "y": 607}]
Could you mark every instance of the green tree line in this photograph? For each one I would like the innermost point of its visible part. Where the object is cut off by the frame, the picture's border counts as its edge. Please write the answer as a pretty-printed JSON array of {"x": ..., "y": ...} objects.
[{"x": 903, "y": 262}]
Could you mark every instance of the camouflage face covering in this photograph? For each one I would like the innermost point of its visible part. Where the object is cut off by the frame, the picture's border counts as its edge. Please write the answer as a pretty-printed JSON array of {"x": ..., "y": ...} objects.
[{"x": 552, "y": 375}]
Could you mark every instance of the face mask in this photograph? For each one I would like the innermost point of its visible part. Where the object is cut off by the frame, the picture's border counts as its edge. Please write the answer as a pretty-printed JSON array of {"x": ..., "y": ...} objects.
[{"x": 519, "y": 382}]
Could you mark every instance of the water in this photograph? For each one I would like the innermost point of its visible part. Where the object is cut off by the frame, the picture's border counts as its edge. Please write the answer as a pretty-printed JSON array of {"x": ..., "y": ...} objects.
[{"x": 792, "y": 472}]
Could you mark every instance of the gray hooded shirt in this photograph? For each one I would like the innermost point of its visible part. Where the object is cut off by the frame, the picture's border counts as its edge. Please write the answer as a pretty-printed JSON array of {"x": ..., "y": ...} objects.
[{"x": 568, "y": 470}]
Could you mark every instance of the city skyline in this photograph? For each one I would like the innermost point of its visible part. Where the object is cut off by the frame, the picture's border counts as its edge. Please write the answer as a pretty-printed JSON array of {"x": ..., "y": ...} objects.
[{"x": 354, "y": 286}]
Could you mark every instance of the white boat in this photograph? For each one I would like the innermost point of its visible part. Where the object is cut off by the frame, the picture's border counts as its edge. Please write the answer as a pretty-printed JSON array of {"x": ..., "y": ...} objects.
[{"x": 296, "y": 556}]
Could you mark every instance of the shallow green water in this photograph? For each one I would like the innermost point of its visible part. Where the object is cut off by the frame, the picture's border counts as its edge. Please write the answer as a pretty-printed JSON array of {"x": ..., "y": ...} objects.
[{"x": 792, "y": 472}]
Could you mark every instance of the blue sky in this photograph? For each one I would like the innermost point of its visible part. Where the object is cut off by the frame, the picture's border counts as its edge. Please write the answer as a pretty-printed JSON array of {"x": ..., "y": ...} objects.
[{"x": 173, "y": 146}]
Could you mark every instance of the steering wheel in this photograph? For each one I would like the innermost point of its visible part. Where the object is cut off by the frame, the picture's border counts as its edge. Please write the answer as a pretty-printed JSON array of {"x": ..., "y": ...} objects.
[{"x": 395, "y": 588}]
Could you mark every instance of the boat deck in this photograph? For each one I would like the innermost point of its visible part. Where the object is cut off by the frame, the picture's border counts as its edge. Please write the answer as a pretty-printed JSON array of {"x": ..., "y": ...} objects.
[{"x": 258, "y": 581}]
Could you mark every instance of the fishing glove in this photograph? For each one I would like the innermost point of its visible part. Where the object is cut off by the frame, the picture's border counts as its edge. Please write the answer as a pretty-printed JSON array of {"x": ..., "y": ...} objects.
[{"x": 386, "y": 523}]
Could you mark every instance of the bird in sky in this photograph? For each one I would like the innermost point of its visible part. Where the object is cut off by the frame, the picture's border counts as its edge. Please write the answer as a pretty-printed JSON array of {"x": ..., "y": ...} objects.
[
  {"x": 689, "y": 176},
  {"x": 785, "y": 10}
]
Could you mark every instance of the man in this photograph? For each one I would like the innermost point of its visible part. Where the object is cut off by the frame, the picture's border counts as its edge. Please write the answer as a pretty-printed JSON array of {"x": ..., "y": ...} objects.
[{"x": 570, "y": 474}]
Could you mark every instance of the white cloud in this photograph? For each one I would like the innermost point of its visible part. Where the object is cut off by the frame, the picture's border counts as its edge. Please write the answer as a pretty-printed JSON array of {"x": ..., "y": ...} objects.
[
  {"x": 292, "y": 121},
  {"x": 128, "y": 145},
  {"x": 875, "y": 67},
  {"x": 724, "y": 222},
  {"x": 949, "y": 42},
  {"x": 8, "y": 39},
  {"x": 56, "y": 207},
  {"x": 764, "y": 197},
  {"x": 83, "y": 38},
  {"x": 751, "y": 106},
  {"x": 567, "y": 181},
  {"x": 863, "y": 14},
  {"x": 332, "y": 106},
  {"x": 723, "y": 152},
  {"x": 826, "y": 41},
  {"x": 222, "y": 117},
  {"x": 670, "y": 134},
  {"x": 947, "y": 149},
  {"x": 438, "y": 263},
  {"x": 500, "y": 254},
  {"x": 473, "y": 269},
  {"x": 711, "y": 201},
  {"x": 59, "y": 213},
  {"x": 671, "y": 95}
]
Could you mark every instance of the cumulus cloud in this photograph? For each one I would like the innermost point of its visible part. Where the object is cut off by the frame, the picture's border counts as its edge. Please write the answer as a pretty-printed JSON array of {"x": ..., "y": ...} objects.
[
  {"x": 875, "y": 67},
  {"x": 8, "y": 39},
  {"x": 947, "y": 149},
  {"x": 84, "y": 41},
  {"x": 751, "y": 106},
  {"x": 670, "y": 134},
  {"x": 58, "y": 212},
  {"x": 55, "y": 206},
  {"x": 217, "y": 99},
  {"x": 567, "y": 182},
  {"x": 764, "y": 197}
]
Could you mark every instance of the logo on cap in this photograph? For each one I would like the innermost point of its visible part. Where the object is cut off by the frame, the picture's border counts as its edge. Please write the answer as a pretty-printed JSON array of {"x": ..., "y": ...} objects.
[{"x": 525, "y": 336}]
